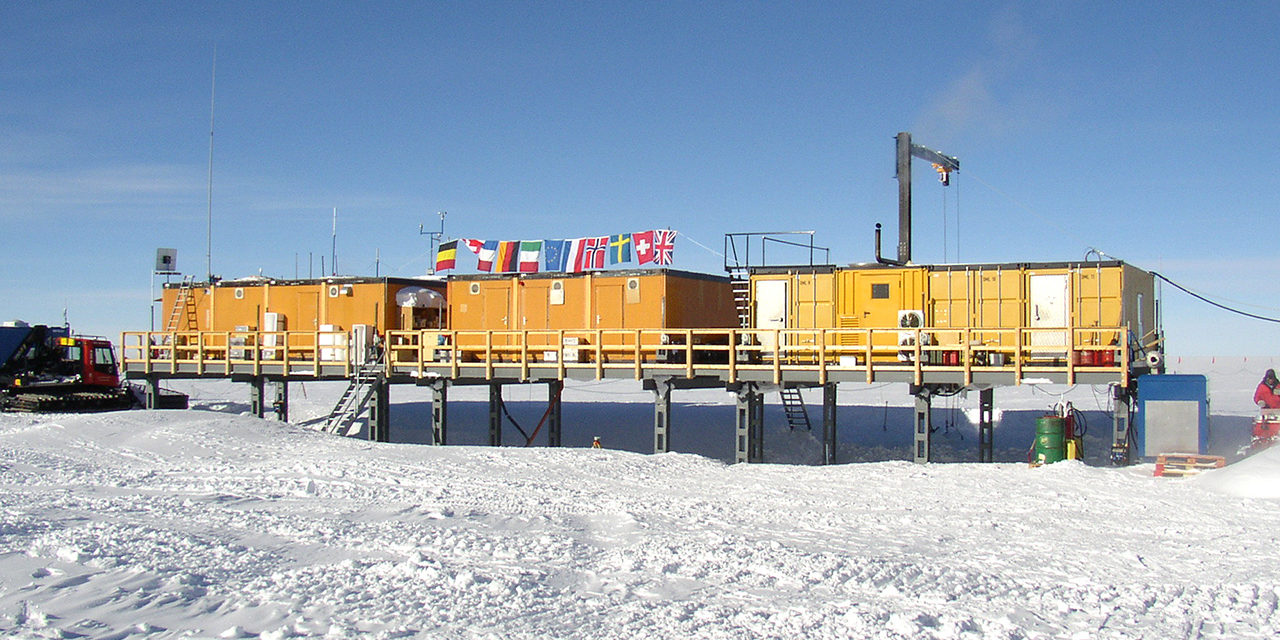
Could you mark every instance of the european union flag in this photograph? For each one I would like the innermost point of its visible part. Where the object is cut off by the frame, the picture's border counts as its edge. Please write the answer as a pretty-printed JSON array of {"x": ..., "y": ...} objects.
[{"x": 555, "y": 254}]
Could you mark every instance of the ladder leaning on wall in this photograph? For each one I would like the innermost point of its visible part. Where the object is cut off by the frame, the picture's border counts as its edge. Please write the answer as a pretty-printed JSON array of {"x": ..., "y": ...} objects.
[{"x": 183, "y": 305}]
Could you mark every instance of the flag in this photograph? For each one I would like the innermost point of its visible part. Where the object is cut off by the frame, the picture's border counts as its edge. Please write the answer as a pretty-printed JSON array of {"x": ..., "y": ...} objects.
[
  {"x": 664, "y": 245},
  {"x": 473, "y": 245},
  {"x": 620, "y": 248},
  {"x": 508, "y": 257},
  {"x": 598, "y": 251},
  {"x": 446, "y": 255},
  {"x": 554, "y": 254},
  {"x": 592, "y": 255},
  {"x": 530, "y": 255},
  {"x": 644, "y": 246},
  {"x": 486, "y": 253},
  {"x": 573, "y": 256}
]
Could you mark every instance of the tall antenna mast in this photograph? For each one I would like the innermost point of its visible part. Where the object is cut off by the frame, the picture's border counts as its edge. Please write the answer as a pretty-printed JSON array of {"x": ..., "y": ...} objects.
[
  {"x": 213, "y": 85},
  {"x": 335, "y": 242},
  {"x": 434, "y": 239}
]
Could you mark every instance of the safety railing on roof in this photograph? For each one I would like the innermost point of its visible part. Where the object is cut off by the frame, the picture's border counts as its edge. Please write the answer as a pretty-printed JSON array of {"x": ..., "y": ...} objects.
[
  {"x": 730, "y": 353},
  {"x": 742, "y": 251}
]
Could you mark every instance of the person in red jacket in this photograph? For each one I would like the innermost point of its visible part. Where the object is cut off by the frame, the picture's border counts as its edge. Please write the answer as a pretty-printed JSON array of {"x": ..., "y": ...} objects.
[{"x": 1265, "y": 396}]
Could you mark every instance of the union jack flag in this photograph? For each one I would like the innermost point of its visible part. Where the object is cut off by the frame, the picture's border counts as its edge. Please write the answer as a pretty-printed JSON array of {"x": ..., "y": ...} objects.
[{"x": 664, "y": 245}]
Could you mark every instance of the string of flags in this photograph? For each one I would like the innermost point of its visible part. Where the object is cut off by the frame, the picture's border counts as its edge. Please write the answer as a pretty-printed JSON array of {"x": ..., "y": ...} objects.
[{"x": 569, "y": 256}]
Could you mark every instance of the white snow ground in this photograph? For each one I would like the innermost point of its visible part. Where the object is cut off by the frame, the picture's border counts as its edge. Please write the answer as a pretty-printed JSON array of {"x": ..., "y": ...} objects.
[{"x": 212, "y": 524}]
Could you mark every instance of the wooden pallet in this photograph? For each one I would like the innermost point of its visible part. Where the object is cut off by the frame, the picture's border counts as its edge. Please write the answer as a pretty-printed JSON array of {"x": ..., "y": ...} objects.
[{"x": 1186, "y": 464}]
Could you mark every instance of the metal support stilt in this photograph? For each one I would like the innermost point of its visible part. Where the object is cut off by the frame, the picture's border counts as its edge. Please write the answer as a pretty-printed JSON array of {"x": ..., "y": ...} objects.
[
  {"x": 555, "y": 389},
  {"x": 749, "y": 419},
  {"x": 281, "y": 403},
  {"x": 380, "y": 411},
  {"x": 923, "y": 424},
  {"x": 662, "y": 416},
  {"x": 829, "y": 423},
  {"x": 986, "y": 425},
  {"x": 257, "y": 391},
  {"x": 1121, "y": 453},
  {"x": 439, "y": 411},
  {"x": 495, "y": 414},
  {"x": 152, "y": 392}
]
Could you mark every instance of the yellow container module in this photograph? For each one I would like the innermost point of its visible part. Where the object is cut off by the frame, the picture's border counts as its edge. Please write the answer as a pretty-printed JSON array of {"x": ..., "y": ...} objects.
[
  {"x": 1056, "y": 310},
  {"x": 581, "y": 304},
  {"x": 329, "y": 304}
]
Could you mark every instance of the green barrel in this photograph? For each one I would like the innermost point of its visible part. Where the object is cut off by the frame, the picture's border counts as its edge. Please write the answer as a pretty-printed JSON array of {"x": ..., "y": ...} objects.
[{"x": 1051, "y": 444}]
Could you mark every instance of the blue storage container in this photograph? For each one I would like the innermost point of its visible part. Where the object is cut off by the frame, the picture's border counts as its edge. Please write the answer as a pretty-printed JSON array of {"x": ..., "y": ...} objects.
[{"x": 1173, "y": 415}]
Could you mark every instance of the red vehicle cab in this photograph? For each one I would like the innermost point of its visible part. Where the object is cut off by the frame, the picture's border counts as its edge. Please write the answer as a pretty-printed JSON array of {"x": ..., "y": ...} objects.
[{"x": 92, "y": 360}]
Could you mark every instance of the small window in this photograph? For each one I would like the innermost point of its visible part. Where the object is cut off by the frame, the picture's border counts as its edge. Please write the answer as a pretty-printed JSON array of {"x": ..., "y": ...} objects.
[
  {"x": 880, "y": 291},
  {"x": 334, "y": 290},
  {"x": 104, "y": 360},
  {"x": 71, "y": 361},
  {"x": 475, "y": 288},
  {"x": 239, "y": 293},
  {"x": 72, "y": 353}
]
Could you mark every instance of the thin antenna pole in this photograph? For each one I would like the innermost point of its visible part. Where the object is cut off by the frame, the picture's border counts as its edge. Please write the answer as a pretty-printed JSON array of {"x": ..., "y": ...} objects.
[
  {"x": 334, "y": 262},
  {"x": 213, "y": 85}
]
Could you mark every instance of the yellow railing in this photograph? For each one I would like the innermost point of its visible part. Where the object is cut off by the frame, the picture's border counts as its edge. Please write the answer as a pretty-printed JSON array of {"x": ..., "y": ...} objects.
[
  {"x": 730, "y": 351},
  {"x": 1023, "y": 352},
  {"x": 227, "y": 352}
]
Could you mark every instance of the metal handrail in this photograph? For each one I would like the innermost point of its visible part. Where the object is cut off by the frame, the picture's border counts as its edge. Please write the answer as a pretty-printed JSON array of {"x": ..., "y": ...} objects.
[{"x": 678, "y": 351}]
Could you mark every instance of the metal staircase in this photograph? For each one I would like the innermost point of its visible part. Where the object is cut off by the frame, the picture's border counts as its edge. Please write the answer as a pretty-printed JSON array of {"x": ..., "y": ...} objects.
[
  {"x": 793, "y": 405},
  {"x": 355, "y": 400}
]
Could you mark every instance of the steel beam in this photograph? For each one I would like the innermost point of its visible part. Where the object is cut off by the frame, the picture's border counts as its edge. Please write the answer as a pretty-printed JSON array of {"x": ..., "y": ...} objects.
[
  {"x": 1121, "y": 452},
  {"x": 495, "y": 414},
  {"x": 380, "y": 411},
  {"x": 749, "y": 420},
  {"x": 923, "y": 425},
  {"x": 555, "y": 389},
  {"x": 662, "y": 415},
  {"x": 281, "y": 403},
  {"x": 257, "y": 391},
  {"x": 152, "y": 391},
  {"x": 986, "y": 425},
  {"x": 829, "y": 423},
  {"x": 439, "y": 411},
  {"x": 904, "y": 197}
]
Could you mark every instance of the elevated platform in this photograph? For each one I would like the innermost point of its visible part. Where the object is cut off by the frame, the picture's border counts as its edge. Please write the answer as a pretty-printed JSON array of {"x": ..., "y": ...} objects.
[{"x": 746, "y": 362}]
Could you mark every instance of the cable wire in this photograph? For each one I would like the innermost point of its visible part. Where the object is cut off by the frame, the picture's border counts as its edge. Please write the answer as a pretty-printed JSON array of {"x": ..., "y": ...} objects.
[
  {"x": 709, "y": 249},
  {"x": 1214, "y": 303}
]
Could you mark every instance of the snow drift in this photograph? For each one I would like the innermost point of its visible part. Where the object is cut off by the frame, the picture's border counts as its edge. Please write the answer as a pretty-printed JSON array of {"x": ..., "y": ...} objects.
[{"x": 175, "y": 524}]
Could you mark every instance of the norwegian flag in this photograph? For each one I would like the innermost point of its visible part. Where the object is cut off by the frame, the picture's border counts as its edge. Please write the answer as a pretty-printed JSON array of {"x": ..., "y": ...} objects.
[
  {"x": 664, "y": 245},
  {"x": 592, "y": 255}
]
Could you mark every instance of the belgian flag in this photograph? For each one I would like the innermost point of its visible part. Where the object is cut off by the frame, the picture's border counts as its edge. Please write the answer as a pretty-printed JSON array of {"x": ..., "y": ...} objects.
[{"x": 447, "y": 255}]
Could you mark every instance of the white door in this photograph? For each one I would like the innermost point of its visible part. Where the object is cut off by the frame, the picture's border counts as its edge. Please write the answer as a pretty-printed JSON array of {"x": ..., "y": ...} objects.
[
  {"x": 1049, "y": 295},
  {"x": 771, "y": 310}
]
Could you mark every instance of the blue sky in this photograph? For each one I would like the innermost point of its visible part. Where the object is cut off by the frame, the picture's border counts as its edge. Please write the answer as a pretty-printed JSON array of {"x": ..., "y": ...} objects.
[{"x": 1146, "y": 130}]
